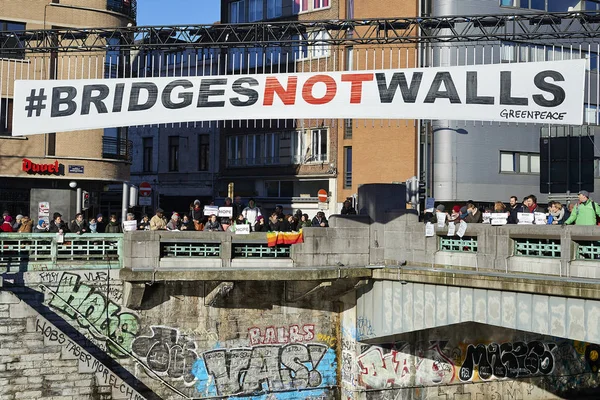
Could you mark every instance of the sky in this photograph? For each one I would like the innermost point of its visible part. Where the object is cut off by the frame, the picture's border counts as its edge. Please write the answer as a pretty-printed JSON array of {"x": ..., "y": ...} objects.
[{"x": 178, "y": 12}]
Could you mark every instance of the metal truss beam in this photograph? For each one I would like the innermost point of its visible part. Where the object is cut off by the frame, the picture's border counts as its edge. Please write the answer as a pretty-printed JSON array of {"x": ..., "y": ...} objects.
[{"x": 540, "y": 27}]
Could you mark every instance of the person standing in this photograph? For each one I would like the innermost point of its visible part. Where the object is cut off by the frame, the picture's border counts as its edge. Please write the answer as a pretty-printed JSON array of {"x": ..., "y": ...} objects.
[
  {"x": 585, "y": 212},
  {"x": 347, "y": 208},
  {"x": 100, "y": 224},
  {"x": 113, "y": 225},
  {"x": 78, "y": 225},
  {"x": 197, "y": 215},
  {"x": 158, "y": 223},
  {"x": 251, "y": 212},
  {"x": 57, "y": 225}
]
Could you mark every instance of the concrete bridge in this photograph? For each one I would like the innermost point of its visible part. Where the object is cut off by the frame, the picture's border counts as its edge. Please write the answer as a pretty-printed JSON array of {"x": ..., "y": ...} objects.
[{"x": 368, "y": 308}]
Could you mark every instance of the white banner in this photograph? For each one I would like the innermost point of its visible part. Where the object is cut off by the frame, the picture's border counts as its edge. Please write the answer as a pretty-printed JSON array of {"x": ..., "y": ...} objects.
[{"x": 549, "y": 92}]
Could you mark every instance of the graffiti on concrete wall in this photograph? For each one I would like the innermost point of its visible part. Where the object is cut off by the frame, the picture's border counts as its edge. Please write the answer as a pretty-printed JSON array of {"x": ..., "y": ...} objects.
[
  {"x": 54, "y": 336},
  {"x": 281, "y": 335},
  {"x": 266, "y": 368},
  {"x": 508, "y": 360},
  {"x": 97, "y": 313},
  {"x": 167, "y": 353}
]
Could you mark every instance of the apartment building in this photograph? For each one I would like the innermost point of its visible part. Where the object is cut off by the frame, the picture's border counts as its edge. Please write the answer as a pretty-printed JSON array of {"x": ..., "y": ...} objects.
[
  {"x": 288, "y": 161},
  {"x": 90, "y": 159}
]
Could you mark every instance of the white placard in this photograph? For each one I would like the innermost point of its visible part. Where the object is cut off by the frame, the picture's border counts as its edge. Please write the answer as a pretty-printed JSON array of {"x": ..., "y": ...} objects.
[
  {"x": 540, "y": 218},
  {"x": 210, "y": 210},
  {"x": 486, "y": 217},
  {"x": 43, "y": 209},
  {"x": 451, "y": 228},
  {"x": 60, "y": 238},
  {"x": 441, "y": 219},
  {"x": 429, "y": 229},
  {"x": 462, "y": 228},
  {"x": 549, "y": 92},
  {"x": 129, "y": 226},
  {"x": 499, "y": 218},
  {"x": 242, "y": 229},
  {"x": 525, "y": 218},
  {"x": 225, "y": 212}
]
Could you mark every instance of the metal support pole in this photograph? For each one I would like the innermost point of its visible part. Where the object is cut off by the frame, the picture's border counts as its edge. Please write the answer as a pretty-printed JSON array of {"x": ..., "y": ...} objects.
[
  {"x": 125, "y": 202},
  {"x": 78, "y": 203}
]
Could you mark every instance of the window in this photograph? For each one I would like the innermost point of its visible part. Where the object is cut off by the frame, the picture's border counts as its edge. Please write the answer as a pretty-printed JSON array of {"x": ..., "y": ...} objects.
[
  {"x": 544, "y": 5},
  {"x": 591, "y": 114},
  {"x": 173, "y": 153},
  {"x": 347, "y": 167},
  {"x": 235, "y": 150},
  {"x": 318, "y": 149},
  {"x": 255, "y": 10},
  {"x": 298, "y": 147},
  {"x": 11, "y": 46},
  {"x": 347, "y": 129},
  {"x": 203, "y": 152},
  {"x": 300, "y": 6},
  {"x": 6, "y": 113},
  {"x": 147, "y": 154},
  {"x": 519, "y": 163},
  {"x": 279, "y": 188},
  {"x": 237, "y": 12},
  {"x": 254, "y": 152},
  {"x": 273, "y": 8},
  {"x": 591, "y": 5},
  {"x": 319, "y": 48},
  {"x": 272, "y": 148},
  {"x": 320, "y": 4}
]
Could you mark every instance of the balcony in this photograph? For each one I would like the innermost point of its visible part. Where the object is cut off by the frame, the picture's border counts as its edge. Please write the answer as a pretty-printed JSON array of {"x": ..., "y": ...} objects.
[
  {"x": 117, "y": 149},
  {"x": 126, "y": 7}
]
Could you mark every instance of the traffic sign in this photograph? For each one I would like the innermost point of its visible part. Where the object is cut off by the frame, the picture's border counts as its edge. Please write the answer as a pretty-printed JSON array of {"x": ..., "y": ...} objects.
[
  {"x": 323, "y": 195},
  {"x": 145, "y": 189}
]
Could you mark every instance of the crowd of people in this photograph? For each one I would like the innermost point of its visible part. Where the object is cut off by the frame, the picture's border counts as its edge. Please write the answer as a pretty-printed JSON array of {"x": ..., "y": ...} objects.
[
  {"x": 192, "y": 220},
  {"x": 583, "y": 212}
]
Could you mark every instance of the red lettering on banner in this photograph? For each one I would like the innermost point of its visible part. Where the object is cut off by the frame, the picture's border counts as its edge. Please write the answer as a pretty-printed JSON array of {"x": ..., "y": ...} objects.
[
  {"x": 287, "y": 96},
  {"x": 356, "y": 88},
  {"x": 307, "y": 89}
]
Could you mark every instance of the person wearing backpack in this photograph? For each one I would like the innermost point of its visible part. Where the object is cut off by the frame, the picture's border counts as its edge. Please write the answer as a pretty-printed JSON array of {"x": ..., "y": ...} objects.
[{"x": 584, "y": 213}]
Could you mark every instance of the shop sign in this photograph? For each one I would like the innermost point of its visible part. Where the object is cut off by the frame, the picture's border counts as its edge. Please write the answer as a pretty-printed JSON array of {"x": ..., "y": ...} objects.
[{"x": 44, "y": 169}]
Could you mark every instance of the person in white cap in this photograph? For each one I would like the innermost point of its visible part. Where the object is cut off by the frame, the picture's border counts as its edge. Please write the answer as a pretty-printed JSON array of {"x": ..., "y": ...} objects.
[{"x": 586, "y": 212}]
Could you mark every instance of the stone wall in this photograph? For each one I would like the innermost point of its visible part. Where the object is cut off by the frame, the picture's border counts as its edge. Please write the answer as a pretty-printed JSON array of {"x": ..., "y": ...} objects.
[{"x": 66, "y": 335}]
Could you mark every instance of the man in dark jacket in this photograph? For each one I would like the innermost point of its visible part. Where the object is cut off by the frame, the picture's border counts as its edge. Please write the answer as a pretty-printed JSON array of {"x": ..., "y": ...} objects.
[
  {"x": 347, "y": 208},
  {"x": 78, "y": 225},
  {"x": 319, "y": 220},
  {"x": 57, "y": 225}
]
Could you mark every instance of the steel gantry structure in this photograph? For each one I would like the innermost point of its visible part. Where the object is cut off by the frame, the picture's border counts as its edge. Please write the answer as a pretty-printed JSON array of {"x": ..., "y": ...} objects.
[{"x": 581, "y": 26}]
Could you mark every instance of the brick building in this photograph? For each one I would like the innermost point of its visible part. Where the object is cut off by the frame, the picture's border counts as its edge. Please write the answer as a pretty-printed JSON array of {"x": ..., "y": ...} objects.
[{"x": 92, "y": 159}]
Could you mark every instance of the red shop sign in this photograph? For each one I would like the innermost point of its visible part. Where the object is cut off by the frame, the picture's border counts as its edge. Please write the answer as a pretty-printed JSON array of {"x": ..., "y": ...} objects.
[{"x": 34, "y": 168}]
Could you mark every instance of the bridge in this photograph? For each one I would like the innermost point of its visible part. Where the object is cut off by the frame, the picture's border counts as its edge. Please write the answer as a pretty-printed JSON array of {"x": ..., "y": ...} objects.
[{"x": 367, "y": 308}]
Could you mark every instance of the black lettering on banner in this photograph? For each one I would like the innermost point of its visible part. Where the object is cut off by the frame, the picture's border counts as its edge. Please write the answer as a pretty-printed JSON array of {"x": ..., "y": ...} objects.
[
  {"x": 409, "y": 93},
  {"x": 118, "y": 100},
  {"x": 244, "y": 91},
  {"x": 186, "y": 97},
  {"x": 205, "y": 92},
  {"x": 450, "y": 93},
  {"x": 505, "y": 91},
  {"x": 98, "y": 100},
  {"x": 58, "y": 100},
  {"x": 472, "y": 96},
  {"x": 134, "y": 97},
  {"x": 555, "y": 90}
]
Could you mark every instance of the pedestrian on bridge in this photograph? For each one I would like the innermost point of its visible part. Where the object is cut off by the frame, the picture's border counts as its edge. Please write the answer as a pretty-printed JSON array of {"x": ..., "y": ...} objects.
[{"x": 586, "y": 212}]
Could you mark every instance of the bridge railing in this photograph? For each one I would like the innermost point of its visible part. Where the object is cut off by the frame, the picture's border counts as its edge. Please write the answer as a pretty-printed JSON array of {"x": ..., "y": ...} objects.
[
  {"x": 20, "y": 252},
  {"x": 570, "y": 251}
]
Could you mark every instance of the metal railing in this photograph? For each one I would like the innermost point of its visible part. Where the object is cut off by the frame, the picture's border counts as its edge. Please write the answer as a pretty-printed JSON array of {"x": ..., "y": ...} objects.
[
  {"x": 45, "y": 251},
  {"x": 260, "y": 250},
  {"x": 117, "y": 149},
  {"x": 545, "y": 248},
  {"x": 464, "y": 245},
  {"x": 202, "y": 250},
  {"x": 588, "y": 250}
]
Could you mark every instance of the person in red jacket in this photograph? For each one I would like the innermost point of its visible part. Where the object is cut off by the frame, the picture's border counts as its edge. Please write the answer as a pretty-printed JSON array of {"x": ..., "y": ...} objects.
[{"x": 7, "y": 224}]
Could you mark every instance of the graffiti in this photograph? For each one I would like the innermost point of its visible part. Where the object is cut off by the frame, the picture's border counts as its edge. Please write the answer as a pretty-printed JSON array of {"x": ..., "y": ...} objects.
[
  {"x": 166, "y": 353},
  {"x": 49, "y": 276},
  {"x": 55, "y": 336},
  {"x": 96, "y": 276},
  {"x": 93, "y": 311},
  {"x": 394, "y": 369},
  {"x": 327, "y": 339},
  {"x": 592, "y": 353},
  {"x": 508, "y": 360},
  {"x": 203, "y": 333},
  {"x": 364, "y": 328},
  {"x": 281, "y": 335},
  {"x": 266, "y": 368}
]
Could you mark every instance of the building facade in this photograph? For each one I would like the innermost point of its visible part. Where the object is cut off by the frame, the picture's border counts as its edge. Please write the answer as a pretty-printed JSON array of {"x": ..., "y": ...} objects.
[
  {"x": 490, "y": 162},
  {"x": 89, "y": 160}
]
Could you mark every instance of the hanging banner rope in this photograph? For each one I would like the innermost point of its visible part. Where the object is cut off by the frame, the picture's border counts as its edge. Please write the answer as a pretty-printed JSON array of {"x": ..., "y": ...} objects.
[{"x": 549, "y": 92}]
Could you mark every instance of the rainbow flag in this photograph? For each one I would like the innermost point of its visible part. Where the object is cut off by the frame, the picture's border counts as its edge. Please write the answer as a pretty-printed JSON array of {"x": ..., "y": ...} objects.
[{"x": 275, "y": 238}]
